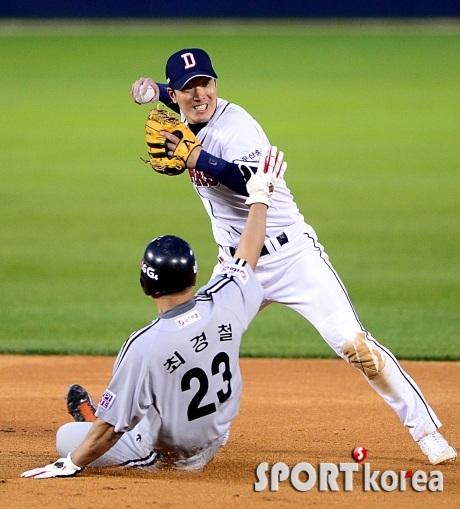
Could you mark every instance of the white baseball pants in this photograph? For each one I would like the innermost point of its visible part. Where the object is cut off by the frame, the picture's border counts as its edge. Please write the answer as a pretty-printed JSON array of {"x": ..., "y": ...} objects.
[{"x": 299, "y": 275}]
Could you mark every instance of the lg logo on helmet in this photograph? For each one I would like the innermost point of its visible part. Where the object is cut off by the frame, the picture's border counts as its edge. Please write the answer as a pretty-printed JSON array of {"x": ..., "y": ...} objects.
[
  {"x": 189, "y": 60},
  {"x": 149, "y": 271}
]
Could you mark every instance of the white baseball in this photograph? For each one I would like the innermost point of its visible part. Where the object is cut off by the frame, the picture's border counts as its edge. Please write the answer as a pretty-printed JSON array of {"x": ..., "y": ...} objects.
[{"x": 147, "y": 97}]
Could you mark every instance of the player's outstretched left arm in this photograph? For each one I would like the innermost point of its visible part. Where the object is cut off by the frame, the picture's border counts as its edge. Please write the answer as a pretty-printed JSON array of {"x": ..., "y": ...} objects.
[
  {"x": 260, "y": 188},
  {"x": 100, "y": 438}
]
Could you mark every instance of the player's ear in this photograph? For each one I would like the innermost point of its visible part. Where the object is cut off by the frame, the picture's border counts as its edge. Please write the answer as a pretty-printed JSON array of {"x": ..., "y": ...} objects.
[{"x": 172, "y": 94}]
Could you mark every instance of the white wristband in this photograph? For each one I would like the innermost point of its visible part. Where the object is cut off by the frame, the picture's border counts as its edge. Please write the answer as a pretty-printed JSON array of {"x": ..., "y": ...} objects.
[{"x": 70, "y": 464}]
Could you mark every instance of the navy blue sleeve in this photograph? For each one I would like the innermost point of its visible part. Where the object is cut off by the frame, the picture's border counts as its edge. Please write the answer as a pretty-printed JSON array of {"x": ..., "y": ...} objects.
[
  {"x": 166, "y": 99},
  {"x": 229, "y": 174}
]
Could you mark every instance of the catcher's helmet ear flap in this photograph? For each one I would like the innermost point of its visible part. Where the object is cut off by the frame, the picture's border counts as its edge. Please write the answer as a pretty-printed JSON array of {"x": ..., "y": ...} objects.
[{"x": 168, "y": 266}]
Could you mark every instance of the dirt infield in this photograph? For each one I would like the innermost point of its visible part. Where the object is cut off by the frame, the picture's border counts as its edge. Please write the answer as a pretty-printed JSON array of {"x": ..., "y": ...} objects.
[{"x": 292, "y": 410}]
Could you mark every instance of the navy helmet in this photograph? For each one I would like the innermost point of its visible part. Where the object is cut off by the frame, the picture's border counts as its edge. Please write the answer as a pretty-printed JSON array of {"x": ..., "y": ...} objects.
[{"x": 168, "y": 266}]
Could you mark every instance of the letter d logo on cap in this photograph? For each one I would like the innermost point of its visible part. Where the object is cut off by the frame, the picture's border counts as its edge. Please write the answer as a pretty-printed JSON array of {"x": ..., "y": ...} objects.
[{"x": 189, "y": 60}]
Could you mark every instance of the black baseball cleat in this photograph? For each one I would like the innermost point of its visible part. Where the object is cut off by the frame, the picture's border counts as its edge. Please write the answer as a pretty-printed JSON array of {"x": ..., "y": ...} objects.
[{"x": 80, "y": 404}]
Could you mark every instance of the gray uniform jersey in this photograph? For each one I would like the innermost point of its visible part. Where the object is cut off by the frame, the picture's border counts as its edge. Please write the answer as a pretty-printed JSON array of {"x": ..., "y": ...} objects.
[{"x": 181, "y": 372}]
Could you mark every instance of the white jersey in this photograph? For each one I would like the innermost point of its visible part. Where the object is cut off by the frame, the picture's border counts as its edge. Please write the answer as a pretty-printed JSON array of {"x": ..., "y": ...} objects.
[
  {"x": 233, "y": 135},
  {"x": 181, "y": 372}
]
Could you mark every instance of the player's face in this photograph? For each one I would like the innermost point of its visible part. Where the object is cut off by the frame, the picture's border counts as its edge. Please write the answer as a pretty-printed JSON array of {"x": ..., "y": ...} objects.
[{"x": 197, "y": 99}]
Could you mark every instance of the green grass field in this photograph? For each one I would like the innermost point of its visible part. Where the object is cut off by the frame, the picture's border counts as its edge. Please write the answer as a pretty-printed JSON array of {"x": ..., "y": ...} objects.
[{"x": 370, "y": 124}]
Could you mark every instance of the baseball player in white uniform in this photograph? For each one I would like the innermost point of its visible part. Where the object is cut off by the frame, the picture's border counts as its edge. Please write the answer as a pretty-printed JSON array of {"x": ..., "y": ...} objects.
[
  {"x": 293, "y": 268},
  {"x": 176, "y": 383}
]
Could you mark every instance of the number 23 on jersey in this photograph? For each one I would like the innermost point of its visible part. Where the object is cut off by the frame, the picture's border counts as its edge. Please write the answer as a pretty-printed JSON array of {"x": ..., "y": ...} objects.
[{"x": 194, "y": 410}]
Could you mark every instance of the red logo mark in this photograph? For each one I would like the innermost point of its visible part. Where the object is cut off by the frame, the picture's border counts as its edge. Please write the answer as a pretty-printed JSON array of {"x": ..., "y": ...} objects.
[
  {"x": 359, "y": 454},
  {"x": 409, "y": 474},
  {"x": 201, "y": 179}
]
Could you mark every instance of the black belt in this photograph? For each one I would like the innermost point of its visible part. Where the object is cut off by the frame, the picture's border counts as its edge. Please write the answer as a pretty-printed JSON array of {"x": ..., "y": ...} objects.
[{"x": 282, "y": 239}]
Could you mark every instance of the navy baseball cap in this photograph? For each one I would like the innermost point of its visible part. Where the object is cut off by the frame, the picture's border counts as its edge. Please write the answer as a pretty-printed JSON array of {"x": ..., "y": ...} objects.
[{"x": 187, "y": 64}]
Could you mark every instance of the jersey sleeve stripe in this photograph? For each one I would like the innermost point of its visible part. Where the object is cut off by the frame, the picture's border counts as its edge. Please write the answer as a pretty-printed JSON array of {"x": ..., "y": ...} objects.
[
  {"x": 235, "y": 229},
  {"x": 217, "y": 286},
  {"x": 223, "y": 111},
  {"x": 130, "y": 341}
]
